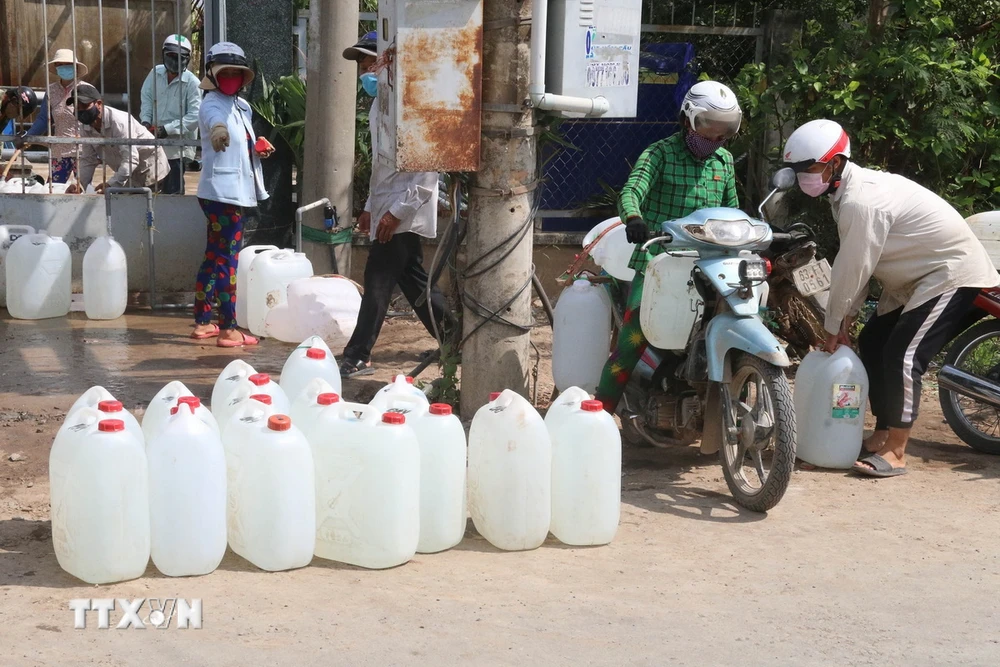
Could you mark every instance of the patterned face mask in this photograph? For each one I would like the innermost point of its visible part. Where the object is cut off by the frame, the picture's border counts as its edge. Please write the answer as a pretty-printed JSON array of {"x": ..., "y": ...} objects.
[{"x": 701, "y": 147}]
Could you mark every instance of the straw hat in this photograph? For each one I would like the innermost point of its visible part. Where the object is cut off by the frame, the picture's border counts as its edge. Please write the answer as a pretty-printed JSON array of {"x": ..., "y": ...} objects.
[{"x": 66, "y": 57}]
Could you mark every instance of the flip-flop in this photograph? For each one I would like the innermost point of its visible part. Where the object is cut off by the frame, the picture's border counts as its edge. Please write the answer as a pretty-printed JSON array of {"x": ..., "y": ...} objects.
[
  {"x": 209, "y": 334},
  {"x": 245, "y": 341},
  {"x": 879, "y": 467},
  {"x": 352, "y": 368}
]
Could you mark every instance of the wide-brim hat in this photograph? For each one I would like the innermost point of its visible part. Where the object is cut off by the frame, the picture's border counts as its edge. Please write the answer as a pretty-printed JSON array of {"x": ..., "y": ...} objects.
[
  {"x": 66, "y": 57},
  {"x": 208, "y": 84},
  {"x": 366, "y": 46}
]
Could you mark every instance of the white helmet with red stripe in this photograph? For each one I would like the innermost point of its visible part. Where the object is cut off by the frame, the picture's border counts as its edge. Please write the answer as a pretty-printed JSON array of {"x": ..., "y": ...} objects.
[{"x": 816, "y": 141}]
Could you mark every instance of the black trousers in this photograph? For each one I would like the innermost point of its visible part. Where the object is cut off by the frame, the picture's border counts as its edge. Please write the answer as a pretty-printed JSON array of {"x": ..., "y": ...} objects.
[
  {"x": 172, "y": 183},
  {"x": 398, "y": 262},
  {"x": 896, "y": 348}
]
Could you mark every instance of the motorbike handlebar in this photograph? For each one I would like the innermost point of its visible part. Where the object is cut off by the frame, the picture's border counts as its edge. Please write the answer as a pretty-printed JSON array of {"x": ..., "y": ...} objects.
[{"x": 666, "y": 238}]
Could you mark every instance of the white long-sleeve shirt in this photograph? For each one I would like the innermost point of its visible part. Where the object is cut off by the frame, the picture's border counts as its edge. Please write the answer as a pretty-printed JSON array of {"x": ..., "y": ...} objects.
[
  {"x": 912, "y": 241},
  {"x": 134, "y": 166},
  {"x": 173, "y": 106},
  {"x": 410, "y": 196}
]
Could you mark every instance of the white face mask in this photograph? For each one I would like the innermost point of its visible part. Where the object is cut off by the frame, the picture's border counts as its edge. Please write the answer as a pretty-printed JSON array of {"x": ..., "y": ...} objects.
[{"x": 813, "y": 184}]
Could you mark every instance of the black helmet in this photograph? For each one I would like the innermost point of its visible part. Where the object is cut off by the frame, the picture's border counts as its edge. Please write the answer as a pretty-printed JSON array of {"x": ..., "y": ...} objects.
[{"x": 25, "y": 97}]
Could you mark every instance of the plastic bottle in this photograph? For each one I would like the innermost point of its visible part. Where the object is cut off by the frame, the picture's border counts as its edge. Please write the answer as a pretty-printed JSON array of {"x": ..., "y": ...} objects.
[
  {"x": 258, "y": 383},
  {"x": 442, "y": 478},
  {"x": 304, "y": 364},
  {"x": 267, "y": 283},
  {"x": 187, "y": 495},
  {"x": 38, "y": 271},
  {"x": 568, "y": 402},
  {"x": 230, "y": 376},
  {"x": 105, "y": 280},
  {"x": 158, "y": 410},
  {"x": 367, "y": 487},
  {"x": 273, "y": 497},
  {"x": 306, "y": 400},
  {"x": 669, "y": 304},
  {"x": 251, "y": 414},
  {"x": 309, "y": 414},
  {"x": 586, "y": 476},
  {"x": 510, "y": 473},
  {"x": 8, "y": 234},
  {"x": 581, "y": 336},
  {"x": 831, "y": 394},
  {"x": 247, "y": 256},
  {"x": 401, "y": 385},
  {"x": 90, "y": 399},
  {"x": 99, "y": 491}
]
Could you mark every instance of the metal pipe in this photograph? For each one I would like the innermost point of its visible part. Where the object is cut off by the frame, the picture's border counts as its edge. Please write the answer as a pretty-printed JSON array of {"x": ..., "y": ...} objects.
[
  {"x": 48, "y": 100},
  {"x": 104, "y": 141},
  {"x": 964, "y": 384},
  {"x": 298, "y": 219},
  {"x": 152, "y": 58},
  {"x": 76, "y": 80},
  {"x": 149, "y": 230}
]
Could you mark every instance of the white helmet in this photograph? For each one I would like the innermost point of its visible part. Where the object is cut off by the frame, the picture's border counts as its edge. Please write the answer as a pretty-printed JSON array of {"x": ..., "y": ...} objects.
[
  {"x": 816, "y": 141},
  {"x": 712, "y": 104},
  {"x": 176, "y": 53},
  {"x": 222, "y": 56},
  {"x": 175, "y": 42}
]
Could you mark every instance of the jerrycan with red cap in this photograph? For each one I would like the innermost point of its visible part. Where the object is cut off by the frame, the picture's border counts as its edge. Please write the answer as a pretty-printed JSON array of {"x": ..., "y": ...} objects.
[
  {"x": 305, "y": 363},
  {"x": 258, "y": 383}
]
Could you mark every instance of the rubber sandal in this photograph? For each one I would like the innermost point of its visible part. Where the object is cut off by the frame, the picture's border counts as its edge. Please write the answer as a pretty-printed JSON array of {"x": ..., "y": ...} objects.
[
  {"x": 352, "y": 368},
  {"x": 211, "y": 334},
  {"x": 879, "y": 467},
  {"x": 246, "y": 341}
]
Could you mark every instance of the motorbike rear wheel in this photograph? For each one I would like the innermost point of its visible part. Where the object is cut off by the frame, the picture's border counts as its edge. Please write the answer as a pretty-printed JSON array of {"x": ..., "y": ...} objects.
[
  {"x": 758, "y": 450},
  {"x": 977, "y": 352}
]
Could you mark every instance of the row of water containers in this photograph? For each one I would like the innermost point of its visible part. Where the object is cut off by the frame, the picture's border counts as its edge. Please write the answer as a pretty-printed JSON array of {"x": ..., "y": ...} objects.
[{"x": 281, "y": 481}]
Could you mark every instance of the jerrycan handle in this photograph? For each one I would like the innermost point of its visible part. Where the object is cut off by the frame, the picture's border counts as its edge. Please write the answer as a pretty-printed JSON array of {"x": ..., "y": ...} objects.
[
  {"x": 85, "y": 419},
  {"x": 506, "y": 398},
  {"x": 416, "y": 406},
  {"x": 359, "y": 411}
]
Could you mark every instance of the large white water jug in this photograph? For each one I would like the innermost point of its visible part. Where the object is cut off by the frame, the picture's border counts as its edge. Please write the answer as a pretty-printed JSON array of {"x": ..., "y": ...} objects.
[
  {"x": 99, "y": 490},
  {"x": 90, "y": 399},
  {"x": 267, "y": 284},
  {"x": 258, "y": 383},
  {"x": 442, "y": 477},
  {"x": 322, "y": 305},
  {"x": 669, "y": 304},
  {"x": 38, "y": 268},
  {"x": 510, "y": 473},
  {"x": 230, "y": 376},
  {"x": 586, "y": 476},
  {"x": 401, "y": 386},
  {"x": 105, "y": 280},
  {"x": 831, "y": 394},
  {"x": 273, "y": 497},
  {"x": 246, "y": 259},
  {"x": 306, "y": 363},
  {"x": 8, "y": 234},
  {"x": 187, "y": 496},
  {"x": 159, "y": 411},
  {"x": 581, "y": 336},
  {"x": 367, "y": 486},
  {"x": 101, "y": 400},
  {"x": 613, "y": 252},
  {"x": 251, "y": 412},
  {"x": 311, "y": 402},
  {"x": 568, "y": 402}
]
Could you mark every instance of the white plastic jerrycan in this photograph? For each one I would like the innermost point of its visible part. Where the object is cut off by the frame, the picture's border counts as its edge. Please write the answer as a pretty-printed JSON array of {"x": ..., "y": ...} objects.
[
  {"x": 110, "y": 408},
  {"x": 305, "y": 412},
  {"x": 90, "y": 399},
  {"x": 273, "y": 496},
  {"x": 566, "y": 403},
  {"x": 831, "y": 393},
  {"x": 247, "y": 257},
  {"x": 166, "y": 399},
  {"x": 586, "y": 476},
  {"x": 367, "y": 487},
  {"x": 187, "y": 495},
  {"x": 442, "y": 477},
  {"x": 8, "y": 234},
  {"x": 400, "y": 386},
  {"x": 613, "y": 252},
  {"x": 230, "y": 376},
  {"x": 38, "y": 270},
  {"x": 669, "y": 305},
  {"x": 105, "y": 280},
  {"x": 249, "y": 415},
  {"x": 258, "y": 383},
  {"x": 510, "y": 473},
  {"x": 581, "y": 336},
  {"x": 99, "y": 491},
  {"x": 305, "y": 363},
  {"x": 194, "y": 404},
  {"x": 267, "y": 284}
]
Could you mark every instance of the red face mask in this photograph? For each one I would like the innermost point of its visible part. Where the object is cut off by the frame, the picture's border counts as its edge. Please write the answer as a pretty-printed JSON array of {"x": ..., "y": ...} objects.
[{"x": 229, "y": 84}]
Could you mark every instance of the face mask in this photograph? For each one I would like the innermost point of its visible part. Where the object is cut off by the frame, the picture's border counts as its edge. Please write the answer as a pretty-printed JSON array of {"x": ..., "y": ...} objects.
[
  {"x": 87, "y": 116},
  {"x": 230, "y": 84},
  {"x": 701, "y": 147},
  {"x": 813, "y": 184},
  {"x": 66, "y": 72},
  {"x": 173, "y": 63},
  {"x": 369, "y": 82}
]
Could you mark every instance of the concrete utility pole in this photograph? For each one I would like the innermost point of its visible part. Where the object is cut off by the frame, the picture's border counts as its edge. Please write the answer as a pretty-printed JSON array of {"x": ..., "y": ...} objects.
[
  {"x": 331, "y": 94},
  {"x": 496, "y": 356}
]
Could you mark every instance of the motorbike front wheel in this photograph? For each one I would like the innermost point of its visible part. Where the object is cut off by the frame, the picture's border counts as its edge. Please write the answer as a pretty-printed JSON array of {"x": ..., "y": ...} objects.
[
  {"x": 758, "y": 450},
  {"x": 977, "y": 352}
]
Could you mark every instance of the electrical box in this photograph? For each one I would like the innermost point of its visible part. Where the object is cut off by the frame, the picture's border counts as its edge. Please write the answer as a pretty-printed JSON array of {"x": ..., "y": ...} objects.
[
  {"x": 592, "y": 48},
  {"x": 430, "y": 92}
]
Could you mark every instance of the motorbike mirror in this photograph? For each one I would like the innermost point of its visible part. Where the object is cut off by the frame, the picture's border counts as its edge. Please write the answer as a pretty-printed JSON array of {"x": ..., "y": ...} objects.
[{"x": 783, "y": 179}]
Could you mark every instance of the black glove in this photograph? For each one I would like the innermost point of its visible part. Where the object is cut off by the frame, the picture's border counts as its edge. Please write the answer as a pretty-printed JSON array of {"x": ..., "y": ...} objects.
[
  {"x": 161, "y": 133},
  {"x": 636, "y": 231},
  {"x": 19, "y": 140}
]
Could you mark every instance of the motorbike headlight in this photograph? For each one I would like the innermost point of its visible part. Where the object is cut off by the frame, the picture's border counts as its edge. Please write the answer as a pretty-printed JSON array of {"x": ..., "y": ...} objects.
[{"x": 727, "y": 232}]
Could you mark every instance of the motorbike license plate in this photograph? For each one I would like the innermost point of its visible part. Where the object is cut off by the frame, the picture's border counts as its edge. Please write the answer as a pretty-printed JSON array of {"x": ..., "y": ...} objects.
[{"x": 812, "y": 278}]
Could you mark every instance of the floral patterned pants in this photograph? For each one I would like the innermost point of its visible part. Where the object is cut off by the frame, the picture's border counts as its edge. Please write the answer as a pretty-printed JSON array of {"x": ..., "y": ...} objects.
[
  {"x": 631, "y": 344},
  {"x": 216, "y": 282}
]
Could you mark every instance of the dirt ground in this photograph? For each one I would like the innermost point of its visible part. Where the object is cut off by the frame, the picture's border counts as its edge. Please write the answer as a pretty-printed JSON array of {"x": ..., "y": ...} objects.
[{"x": 843, "y": 571}]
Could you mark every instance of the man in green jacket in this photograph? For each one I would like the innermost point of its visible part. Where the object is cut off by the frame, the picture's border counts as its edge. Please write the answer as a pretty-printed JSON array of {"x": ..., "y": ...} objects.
[{"x": 674, "y": 177}]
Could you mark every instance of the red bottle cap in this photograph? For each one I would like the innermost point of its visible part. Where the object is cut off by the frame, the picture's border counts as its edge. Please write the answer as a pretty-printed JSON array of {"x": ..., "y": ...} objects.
[
  {"x": 260, "y": 379},
  {"x": 174, "y": 409},
  {"x": 261, "y": 398},
  {"x": 110, "y": 406},
  {"x": 111, "y": 425},
  {"x": 409, "y": 379},
  {"x": 494, "y": 396},
  {"x": 193, "y": 401},
  {"x": 440, "y": 409},
  {"x": 591, "y": 406},
  {"x": 328, "y": 399},
  {"x": 279, "y": 423},
  {"x": 316, "y": 353},
  {"x": 395, "y": 418}
]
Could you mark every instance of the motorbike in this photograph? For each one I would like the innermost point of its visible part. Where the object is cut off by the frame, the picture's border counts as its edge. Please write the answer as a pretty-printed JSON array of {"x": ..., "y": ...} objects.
[{"x": 725, "y": 385}]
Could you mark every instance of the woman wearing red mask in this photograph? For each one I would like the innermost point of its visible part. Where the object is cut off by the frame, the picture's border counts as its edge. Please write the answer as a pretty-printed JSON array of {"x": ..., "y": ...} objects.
[{"x": 231, "y": 181}]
